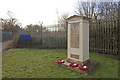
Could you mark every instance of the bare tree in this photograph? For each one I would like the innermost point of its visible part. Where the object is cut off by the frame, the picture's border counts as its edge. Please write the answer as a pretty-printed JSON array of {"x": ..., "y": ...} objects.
[
  {"x": 62, "y": 21},
  {"x": 11, "y": 24},
  {"x": 85, "y": 8},
  {"x": 35, "y": 28},
  {"x": 99, "y": 9}
]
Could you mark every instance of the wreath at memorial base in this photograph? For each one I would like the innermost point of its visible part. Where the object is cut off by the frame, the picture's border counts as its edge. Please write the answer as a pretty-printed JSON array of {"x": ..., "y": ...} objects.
[
  {"x": 72, "y": 65},
  {"x": 60, "y": 61},
  {"x": 83, "y": 68}
]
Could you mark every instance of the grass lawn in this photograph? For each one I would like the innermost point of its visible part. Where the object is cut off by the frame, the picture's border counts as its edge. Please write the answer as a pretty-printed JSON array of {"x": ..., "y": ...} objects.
[{"x": 41, "y": 63}]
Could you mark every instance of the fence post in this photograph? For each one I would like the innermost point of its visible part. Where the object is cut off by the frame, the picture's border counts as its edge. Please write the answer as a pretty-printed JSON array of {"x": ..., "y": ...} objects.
[{"x": 118, "y": 46}]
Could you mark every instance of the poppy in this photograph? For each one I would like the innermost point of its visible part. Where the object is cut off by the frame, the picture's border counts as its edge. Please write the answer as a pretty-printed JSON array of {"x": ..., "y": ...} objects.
[
  {"x": 83, "y": 68},
  {"x": 60, "y": 61},
  {"x": 72, "y": 65}
]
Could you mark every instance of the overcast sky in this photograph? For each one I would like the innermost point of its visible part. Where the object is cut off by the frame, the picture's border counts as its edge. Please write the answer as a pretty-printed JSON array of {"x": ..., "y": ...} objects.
[{"x": 33, "y": 11}]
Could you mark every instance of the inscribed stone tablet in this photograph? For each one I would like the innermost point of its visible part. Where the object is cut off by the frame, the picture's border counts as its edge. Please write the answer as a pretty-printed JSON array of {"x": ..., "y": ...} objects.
[{"x": 74, "y": 36}]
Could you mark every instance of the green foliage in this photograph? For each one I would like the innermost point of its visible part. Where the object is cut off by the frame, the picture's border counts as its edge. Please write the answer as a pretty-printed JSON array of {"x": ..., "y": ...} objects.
[
  {"x": 36, "y": 63},
  {"x": 15, "y": 40}
]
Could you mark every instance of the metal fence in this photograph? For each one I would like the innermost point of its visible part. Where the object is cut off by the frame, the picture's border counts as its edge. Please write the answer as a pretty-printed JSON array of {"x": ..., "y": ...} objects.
[
  {"x": 45, "y": 37},
  {"x": 104, "y": 36}
]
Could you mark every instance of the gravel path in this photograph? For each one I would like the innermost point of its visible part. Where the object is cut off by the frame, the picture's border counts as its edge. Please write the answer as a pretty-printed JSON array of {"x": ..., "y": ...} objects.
[{"x": 3, "y": 45}]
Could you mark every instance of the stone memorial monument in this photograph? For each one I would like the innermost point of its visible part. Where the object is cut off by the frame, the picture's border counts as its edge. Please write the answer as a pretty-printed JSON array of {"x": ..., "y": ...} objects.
[
  {"x": 78, "y": 39},
  {"x": 78, "y": 42}
]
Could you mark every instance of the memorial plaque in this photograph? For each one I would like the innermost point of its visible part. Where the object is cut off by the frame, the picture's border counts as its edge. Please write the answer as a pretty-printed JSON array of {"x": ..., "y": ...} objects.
[
  {"x": 74, "y": 56},
  {"x": 74, "y": 35}
]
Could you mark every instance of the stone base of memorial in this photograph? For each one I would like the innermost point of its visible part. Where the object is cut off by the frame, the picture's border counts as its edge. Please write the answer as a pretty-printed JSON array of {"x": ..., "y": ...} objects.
[{"x": 91, "y": 64}]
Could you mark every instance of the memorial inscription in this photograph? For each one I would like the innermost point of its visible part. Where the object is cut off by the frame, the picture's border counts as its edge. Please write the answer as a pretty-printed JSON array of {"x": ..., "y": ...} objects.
[{"x": 75, "y": 36}]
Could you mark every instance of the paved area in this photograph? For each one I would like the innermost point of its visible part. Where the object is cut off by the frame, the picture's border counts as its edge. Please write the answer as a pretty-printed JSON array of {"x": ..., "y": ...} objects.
[{"x": 3, "y": 45}]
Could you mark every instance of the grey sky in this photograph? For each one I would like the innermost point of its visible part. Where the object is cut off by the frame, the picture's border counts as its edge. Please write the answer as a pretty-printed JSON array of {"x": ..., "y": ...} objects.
[{"x": 33, "y": 11}]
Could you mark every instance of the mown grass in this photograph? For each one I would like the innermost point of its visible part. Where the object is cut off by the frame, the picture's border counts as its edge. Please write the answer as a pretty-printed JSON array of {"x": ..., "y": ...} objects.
[{"x": 41, "y": 63}]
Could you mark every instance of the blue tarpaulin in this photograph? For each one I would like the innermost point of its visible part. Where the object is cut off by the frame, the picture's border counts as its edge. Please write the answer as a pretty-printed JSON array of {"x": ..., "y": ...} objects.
[
  {"x": 23, "y": 37},
  {"x": 28, "y": 37}
]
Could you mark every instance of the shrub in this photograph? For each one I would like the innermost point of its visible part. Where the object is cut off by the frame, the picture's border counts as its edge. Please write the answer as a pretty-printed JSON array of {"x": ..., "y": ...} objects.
[{"x": 15, "y": 41}]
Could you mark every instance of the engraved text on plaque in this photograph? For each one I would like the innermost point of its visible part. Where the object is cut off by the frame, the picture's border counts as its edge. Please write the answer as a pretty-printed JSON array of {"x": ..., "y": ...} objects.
[{"x": 74, "y": 42}]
